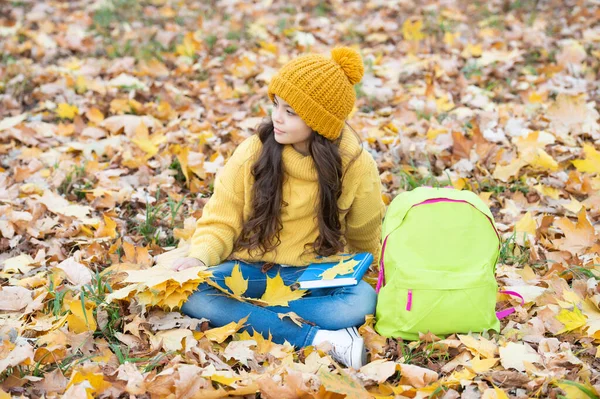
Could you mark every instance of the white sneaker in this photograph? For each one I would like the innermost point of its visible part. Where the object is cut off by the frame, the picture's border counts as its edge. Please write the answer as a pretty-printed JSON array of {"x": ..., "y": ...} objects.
[{"x": 348, "y": 347}]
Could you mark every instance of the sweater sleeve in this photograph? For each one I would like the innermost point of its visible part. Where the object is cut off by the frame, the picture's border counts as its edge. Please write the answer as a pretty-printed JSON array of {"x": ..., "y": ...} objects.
[
  {"x": 222, "y": 216},
  {"x": 364, "y": 219}
]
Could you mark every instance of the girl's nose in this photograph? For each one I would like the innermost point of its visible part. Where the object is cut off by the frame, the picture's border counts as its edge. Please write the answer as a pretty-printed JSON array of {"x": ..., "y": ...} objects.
[{"x": 276, "y": 115}]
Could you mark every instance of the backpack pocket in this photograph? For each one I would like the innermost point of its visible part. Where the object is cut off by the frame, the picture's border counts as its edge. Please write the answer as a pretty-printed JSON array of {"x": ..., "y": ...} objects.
[{"x": 440, "y": 311}]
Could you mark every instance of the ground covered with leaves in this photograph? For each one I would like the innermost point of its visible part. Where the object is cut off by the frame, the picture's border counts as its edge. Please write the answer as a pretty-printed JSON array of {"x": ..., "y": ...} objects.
[{"x": 115, "y": 116}]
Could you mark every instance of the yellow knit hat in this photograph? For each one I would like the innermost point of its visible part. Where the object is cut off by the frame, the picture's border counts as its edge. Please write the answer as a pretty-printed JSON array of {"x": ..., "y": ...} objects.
[{"x": 320, "y": 89}]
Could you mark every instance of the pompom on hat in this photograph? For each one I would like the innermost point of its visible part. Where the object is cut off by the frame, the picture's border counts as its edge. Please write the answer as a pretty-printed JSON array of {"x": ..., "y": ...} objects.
[{"x": 320, "y": 89}]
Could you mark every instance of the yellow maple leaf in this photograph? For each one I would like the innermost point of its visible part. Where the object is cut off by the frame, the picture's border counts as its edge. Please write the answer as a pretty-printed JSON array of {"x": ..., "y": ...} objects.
[
  {"x": 174, "y": 300},
  {"x": 591, "y": 163},
  {"x": 505, "y": 172},
  {"x": 551, "y": 192},
  {"x": 66, "y": 111},
  {"x": 142, "y": 140},
  {"x": 263, "y": 345},
  {"x": 189, "y": 46},
  {"x": 95, "y": 383},
  {"x": 268, "y": 46},
  {"x": 161, "y": 286},
  {"x": 535, "y": 97},
  {"x": 236, "y": 282},
  {"x": 479, "y": 345},
  {"x": 571, "y": 319},
  {"x": 479, "y": 365},
  {"x": 157, "y": 275},
  {"x": 341, "y": 268},
  {"x": 540, "y": 159},
  {"x": 472, "y": 50},
  {"x": 526, "y": 224},
  {"x": 279, "y": 294},
  {"x": 80, "y": 320},
  {"x": 444, "y": 104},
  {"x": 220, "y": 334},
  {"x": 108, "y": 229},
  {"x": 451, "y": 37},
  {"x": 412, "y": 29}
]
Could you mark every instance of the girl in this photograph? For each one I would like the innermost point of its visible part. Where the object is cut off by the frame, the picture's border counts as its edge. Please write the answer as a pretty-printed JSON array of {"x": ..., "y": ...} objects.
[{"x": 301, "y": 190}]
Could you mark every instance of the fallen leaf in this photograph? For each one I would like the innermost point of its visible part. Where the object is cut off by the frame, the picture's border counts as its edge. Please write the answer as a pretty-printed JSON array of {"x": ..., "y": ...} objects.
[
  {"x": 76, "y": 272},
  {"x": 279, "y": 294},
  {"x": 240, "y": 351},
  {"x": 220, "y": 334},
  {"x": 66, "y": 111},
  {"x": 578, "y": 237},
  {"x": 340, "y": 269},
  {"x": 591, "y": 163},
  {"x": 14, "y": 298},
  {"x": 571, "y": 319},
  {"x": 81, "y": 318},
  {"x": 342, "y": 383},
  {"x": 236, "y": 282},
  {"x": 293, "y": 317},
  {"x": 515, "y": 355},
  {"x": 22, "y": 353},
  {"x": 378, "y": 371},
  {"x": 416, "y": 376}
]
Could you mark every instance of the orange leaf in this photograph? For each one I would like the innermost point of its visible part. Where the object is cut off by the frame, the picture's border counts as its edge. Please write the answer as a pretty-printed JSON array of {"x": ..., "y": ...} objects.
[{"x": 578, "y": 237}]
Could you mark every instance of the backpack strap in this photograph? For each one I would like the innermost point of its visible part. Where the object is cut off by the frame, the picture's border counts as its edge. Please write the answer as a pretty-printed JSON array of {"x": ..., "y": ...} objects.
[
  {"x": 381, "y": 278},
  {"x": 503, "y": 313}
]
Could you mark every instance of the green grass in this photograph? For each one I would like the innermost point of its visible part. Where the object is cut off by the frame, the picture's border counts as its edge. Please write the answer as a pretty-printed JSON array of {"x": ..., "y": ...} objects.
[
  {"x": 323, "y": 9},
  {"x": 234, "y": 35},
  {"x": 511, "y": 253},
  {"x": 412, "y": 179},
  {"x": 75, "y": 183},
  {"x": 150, "y": 228},
  {"x": 210, "y": 41},
  {"x": 117, "y": 12},
  {"x": 421, "y": 353},
  {"x": 232, "y": 48},
  {"x": 58, "y": 296},
  {"x": 96, "y": 292},
  {"x": 488, "y": 185},
  {"x": 581, "y": 272},
  {"x": 471, "y": 69},
  {"x": 176, "y": 166}
]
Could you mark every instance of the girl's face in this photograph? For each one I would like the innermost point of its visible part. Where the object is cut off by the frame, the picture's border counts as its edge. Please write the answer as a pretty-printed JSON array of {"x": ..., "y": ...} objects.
[{"x": 289, "y": 127}]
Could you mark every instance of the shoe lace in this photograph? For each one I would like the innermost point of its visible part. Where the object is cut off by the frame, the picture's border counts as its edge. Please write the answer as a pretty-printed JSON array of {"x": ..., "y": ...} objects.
[{"x": 340, "y": 353}]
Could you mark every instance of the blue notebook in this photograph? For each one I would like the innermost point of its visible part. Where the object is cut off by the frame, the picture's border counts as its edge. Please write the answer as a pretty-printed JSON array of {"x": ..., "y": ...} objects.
[{"x": 313, "y": 277}]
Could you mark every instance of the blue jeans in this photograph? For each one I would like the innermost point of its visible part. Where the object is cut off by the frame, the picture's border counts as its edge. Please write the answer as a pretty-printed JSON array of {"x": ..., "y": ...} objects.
[{"x": 328, "y": 308}]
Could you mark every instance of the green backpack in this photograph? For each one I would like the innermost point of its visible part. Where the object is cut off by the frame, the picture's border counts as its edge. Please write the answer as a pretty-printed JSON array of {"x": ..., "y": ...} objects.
[{"x": 437, "y": 265}]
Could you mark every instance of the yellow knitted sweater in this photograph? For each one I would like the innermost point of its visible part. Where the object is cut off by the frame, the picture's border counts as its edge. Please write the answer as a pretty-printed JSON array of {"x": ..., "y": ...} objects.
[{"x": 229, "y": 206}]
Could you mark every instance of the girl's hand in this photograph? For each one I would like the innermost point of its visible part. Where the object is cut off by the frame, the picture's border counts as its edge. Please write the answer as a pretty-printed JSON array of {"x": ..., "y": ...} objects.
[{"x": 186, "y": 263}]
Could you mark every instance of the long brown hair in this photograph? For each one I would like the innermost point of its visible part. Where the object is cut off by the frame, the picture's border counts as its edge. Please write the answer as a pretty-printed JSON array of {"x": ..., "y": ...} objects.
[{"x": 261, "y": 231}]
